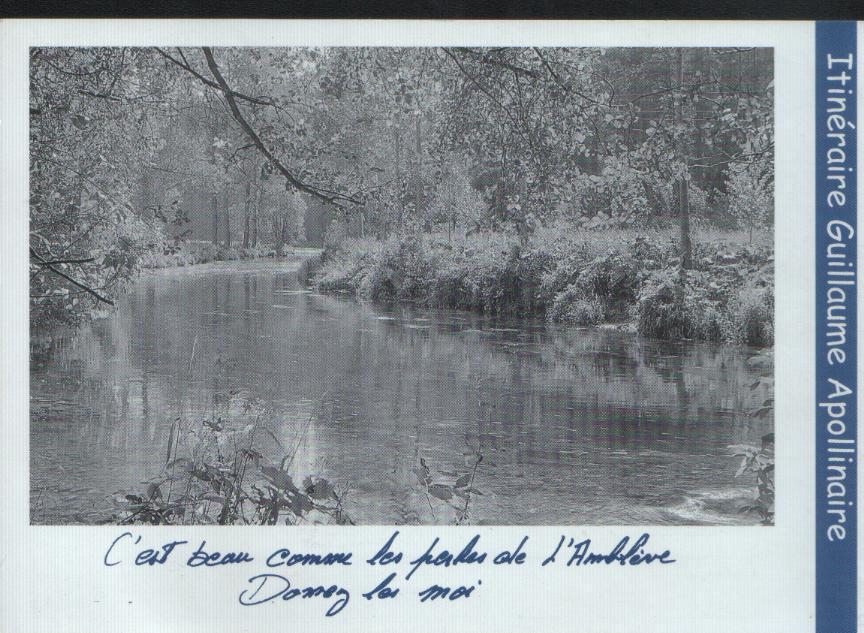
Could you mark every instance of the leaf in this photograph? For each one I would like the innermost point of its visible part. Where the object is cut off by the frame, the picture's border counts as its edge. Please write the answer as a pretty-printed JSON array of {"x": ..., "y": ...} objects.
[
  {"x": 423, "y": 474},
  {"x": 212, "y": 496},
  {"x": 278, "y": 478},
  {"x": 153, "y": 491},
  {"x": 319, "y": 489},
  {"x": 251, "y": 453},
  {"x": 441, "y": 491},
  {"x": 300, "y": 504},
  {"x": 214, "y": 425},
  {"x": 181, "y": 462},
  {"x": 463, "y": 481},
  {"x": 423, "y": 477}
]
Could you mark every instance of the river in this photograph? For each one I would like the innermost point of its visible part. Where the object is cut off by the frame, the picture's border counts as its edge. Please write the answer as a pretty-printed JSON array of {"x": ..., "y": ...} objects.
[{"x": 575, "y": 426}]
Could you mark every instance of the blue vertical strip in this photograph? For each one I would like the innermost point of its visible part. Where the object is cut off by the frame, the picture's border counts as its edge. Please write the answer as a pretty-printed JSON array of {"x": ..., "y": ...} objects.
[{"x": 836, "y": 327}]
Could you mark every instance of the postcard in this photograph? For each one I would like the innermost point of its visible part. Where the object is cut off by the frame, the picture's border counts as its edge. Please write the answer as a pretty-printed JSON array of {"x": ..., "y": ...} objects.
[{"x": 387, "y": 325}]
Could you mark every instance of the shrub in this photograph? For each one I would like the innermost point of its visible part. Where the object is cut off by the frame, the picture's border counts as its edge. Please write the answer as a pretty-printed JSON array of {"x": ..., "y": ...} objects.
[
  {"x": 402, "y": 271},
  {"x": 573, "y": 276},
  {"x": 501, "y": 276},
  {"x": 613, "y": 279},
  {"x": 215, "y": 474},
  {"x": 675, "y": 304},
  {"x": 449, "y": 287},
  {"x": 335, "y": 235},
  {"x": 572, "y": 307},
  {"x": 752, "y": 316},
  {"x": 345, "y": 268}
]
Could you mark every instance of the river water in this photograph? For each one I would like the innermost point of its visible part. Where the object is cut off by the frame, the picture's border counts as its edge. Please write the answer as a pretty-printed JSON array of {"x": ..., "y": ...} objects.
[{"x": 575, "y": 426}]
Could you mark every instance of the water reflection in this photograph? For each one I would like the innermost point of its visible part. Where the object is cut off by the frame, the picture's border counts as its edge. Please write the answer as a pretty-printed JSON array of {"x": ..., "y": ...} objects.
[{"x": 575, "y": 426}]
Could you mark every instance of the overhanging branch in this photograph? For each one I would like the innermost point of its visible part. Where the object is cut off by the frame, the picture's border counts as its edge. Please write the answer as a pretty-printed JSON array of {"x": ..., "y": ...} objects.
[
  {"x": 333, "y": 198},
  {"x": 50, "y": 266}
]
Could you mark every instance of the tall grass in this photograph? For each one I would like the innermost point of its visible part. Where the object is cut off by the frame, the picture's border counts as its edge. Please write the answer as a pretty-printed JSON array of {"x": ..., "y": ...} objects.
[
  {"x": 191, "y": 253},
  {"x": 574, "y": 276}
]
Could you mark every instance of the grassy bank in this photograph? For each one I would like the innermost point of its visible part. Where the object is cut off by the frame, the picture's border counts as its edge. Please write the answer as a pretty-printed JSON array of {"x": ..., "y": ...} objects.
[
  {"x": 191, "y": 253},
  {"x": 575, "y": 277}
]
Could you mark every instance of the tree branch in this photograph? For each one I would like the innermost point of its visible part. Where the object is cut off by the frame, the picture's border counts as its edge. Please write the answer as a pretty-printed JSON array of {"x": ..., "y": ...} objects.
[
  {"x": 558, "y": 80},
  {"x": 185, "y": 66},
  {"x": 97, "y": 95},
  {"x": 65, "y": 261},
  {"x": 229, "y": 94},
  {"x": 488, "y": 59},
  {"x": 50, "y": 266}
]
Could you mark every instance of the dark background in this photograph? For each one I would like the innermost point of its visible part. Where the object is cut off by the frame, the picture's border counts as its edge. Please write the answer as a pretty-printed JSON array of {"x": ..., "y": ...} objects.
[{"x": 521, "y": 9}]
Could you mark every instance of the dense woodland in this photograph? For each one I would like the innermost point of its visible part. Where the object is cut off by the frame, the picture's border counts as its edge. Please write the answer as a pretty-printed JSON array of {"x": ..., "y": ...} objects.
[{"x": 585, "y": 184}]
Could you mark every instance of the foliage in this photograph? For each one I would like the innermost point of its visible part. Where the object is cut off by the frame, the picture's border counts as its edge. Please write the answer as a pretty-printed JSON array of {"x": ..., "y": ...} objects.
[
  {"x": 346, "y": 266},
  {"x": 570, "y": 307},
  {"x": 401, "y": 271},
  {"x": 214, "y": 474},
  {"x": 135, "y": 150},
  {"x": 751, "y": 196},
  {"x": 752, "y": 316},
  {"x": 613, "y": 279},
  {"x": 760, "y": 460},
  {"x": 191, "y": 253},
  {"x": 676, "y": 304},
  {"x": 573, "y": 276},
  {"x": 456, "y": 495},
  {"x": 728, "y": 297}
]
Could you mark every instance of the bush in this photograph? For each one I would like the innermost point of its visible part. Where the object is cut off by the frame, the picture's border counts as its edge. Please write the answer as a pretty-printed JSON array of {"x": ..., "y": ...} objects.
[
  {"x": 675, "y": 304},
  {"x": 752, "y": 313},
  {"x": 191, "y": 253},
  {"x": 575, "y": 277},
  {"x": 345, "y": 268},
  {"x": 487, "y": 273},
  {"x": 613, "y": 279},
  {"x": 403, "y": 271},
  {"x": 226, "y": 480},
  {"x": 491, "y": 279},
  {"x": 572, "y": 307}
]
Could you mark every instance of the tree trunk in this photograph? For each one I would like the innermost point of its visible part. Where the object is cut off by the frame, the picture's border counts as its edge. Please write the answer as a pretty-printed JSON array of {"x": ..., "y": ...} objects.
[
  {"x": 418, "y": 182},
  {"x": 227, "y": 226},
  {"x": 284, "y": 238},
  {"x": 259, "y": 196},
  {"x": 682, "y": 183},
  {"x": 215, "y": 209},
  {"x": 246, "y": 216},
  {"x": 397, "y": 141},
  {"x": 277, "y": 230}
]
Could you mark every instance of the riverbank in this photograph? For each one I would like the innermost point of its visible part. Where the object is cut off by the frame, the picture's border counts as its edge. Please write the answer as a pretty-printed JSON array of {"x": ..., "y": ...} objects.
[
  {"x": 65, "y": 306},
  {"x": 192, "y": 253},
  {"x": 574, "y": 277}
]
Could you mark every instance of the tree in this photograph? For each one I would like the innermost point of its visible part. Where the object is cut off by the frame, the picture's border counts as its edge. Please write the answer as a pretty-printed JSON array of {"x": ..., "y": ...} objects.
[{"x": 129, "y": 143}]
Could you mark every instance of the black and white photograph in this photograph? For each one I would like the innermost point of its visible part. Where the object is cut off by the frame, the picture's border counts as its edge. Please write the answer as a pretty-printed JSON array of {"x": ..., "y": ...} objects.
[{"x": 401, "y": 286}]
